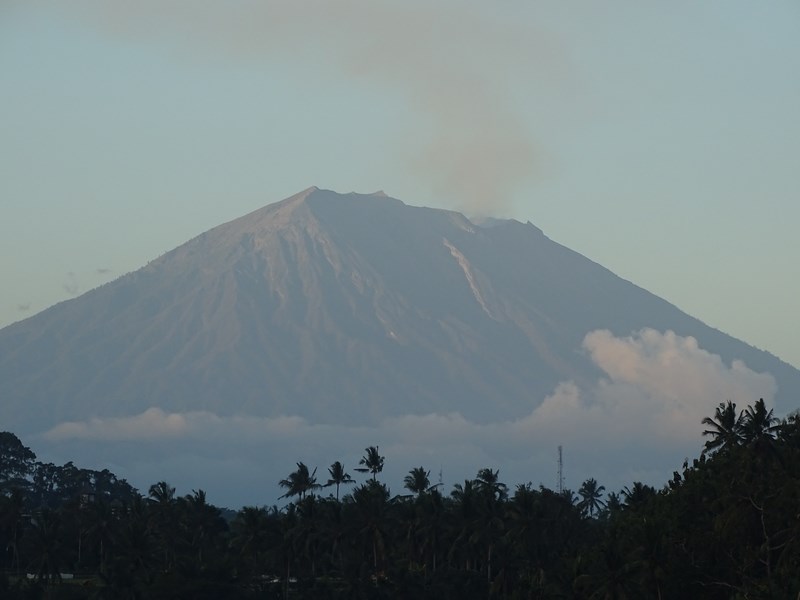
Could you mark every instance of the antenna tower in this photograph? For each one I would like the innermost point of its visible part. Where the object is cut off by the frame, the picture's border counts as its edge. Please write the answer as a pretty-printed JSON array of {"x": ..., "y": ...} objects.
[{"x": 560, "y": 484}]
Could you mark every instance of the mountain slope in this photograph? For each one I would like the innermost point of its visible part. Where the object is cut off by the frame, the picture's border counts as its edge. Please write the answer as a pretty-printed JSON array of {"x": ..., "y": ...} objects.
[{"x": 338, "y": 308}]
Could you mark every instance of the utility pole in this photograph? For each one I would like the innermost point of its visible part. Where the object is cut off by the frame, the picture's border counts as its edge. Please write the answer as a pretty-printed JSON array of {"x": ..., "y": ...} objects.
[{"x": 560, "y": 484}]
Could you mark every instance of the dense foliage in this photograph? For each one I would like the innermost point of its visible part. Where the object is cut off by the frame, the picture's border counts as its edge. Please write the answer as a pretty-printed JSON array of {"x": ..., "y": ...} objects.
[{"x": 725, "y": 526}]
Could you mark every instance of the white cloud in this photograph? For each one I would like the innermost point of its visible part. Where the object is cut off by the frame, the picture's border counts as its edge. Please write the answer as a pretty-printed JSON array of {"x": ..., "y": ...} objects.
[
  {"x": 639, "y": 422},
  {"x": 153, "y": 423}
]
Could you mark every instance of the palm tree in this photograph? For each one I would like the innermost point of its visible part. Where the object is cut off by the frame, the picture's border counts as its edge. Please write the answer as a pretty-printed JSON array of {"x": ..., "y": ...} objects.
[
  {"x": 638, "y": 495},
  {"x": 100, "y": 527},
  {"x": 372, "y": 461},
  {"x": 250, "y": 537},
  {"x": 591, "y": 495},
  {"x": 614, "y": 502},
  {"x": 758, "y": 424},
  {"x": 480, "y": 511},
  {"x": 371, "y": 502},
  {"x": 431, "y": 522},
  {"x": 338, "y": 477},
  {"x": 161, "y": 493},
  {"x": 12, "y": 521},
  {"x": 300, "y": 482},
  {"x": 726, "y": 427},
  {"x": 569, "y": 496},
  {"x": 201, "y": 523},
  {"x": 418, "y": 481},
  {"x": 487, "y": 528},
  {"x": 487, "y": 482},
  {"x": 135, "y": 548},
  {"x": 46, "y": 545},
  {"x": 162, "y": 518},
  {"x": 616, "y": 574}
]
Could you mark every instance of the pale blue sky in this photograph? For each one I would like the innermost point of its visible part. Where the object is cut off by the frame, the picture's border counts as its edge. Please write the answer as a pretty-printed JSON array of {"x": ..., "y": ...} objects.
[{"x": 661, "y": 140}]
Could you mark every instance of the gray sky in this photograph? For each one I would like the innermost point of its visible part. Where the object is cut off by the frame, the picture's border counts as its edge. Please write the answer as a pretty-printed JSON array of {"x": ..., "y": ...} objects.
[{"x": 659, "y": 139}]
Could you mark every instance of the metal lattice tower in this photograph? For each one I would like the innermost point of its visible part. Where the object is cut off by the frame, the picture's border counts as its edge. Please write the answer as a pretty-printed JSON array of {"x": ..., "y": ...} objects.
[{"x": 560, "y": 484}]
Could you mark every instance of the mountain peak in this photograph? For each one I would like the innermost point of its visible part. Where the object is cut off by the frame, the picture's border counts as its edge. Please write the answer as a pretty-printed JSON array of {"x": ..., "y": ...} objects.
[{"x": 336, "y": 308}]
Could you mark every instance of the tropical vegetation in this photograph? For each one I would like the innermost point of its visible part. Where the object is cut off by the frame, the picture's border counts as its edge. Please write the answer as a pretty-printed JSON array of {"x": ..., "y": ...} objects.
[{"x": 725, "y": 526}]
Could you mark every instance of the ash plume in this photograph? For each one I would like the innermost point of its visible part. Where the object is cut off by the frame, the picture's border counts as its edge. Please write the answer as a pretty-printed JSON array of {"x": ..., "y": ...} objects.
[{"x": 450, "y": 62}]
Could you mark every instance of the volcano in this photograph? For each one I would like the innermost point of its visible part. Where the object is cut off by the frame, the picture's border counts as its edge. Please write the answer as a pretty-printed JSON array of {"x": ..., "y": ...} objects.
[{"x": 340, "y": 308}]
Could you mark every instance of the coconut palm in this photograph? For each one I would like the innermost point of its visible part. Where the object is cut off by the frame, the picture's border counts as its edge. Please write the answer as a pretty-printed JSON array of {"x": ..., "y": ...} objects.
[
  {"x": 299, "y": 482},
  {"x": 161, "y": 494},
  {"x": 46, "y": 545},
  {"x": 201, "y": 523},
  {"x": 487, "y": 529},
  {"x": 338, "y": 477},
  {"x": 372, "y": 462},
  {"x": 569, "y": 496},
  {"x": 479, "y": 510},
  {"x": 100, "y": 526},
  {"x": 250, "y": 537},
  {"x": 432, "y": 513},
  {"x": 488, "y": 482},
  {"x": 162, "y": 518},
  {"x": 617, "y": 573},
  {"x": 135, "y": 548},
  {"x": 418, "y": 481},
  {"x": 614, "y": 502},
  {"x": 758, "y": 423},
  {"x": 371, "y": 504},
  {"x": 12, "y": 522},
  {"x": 725, "y": 428},
  {"x": 591, "y": 497},
  {"x": 638, "y": 495}
]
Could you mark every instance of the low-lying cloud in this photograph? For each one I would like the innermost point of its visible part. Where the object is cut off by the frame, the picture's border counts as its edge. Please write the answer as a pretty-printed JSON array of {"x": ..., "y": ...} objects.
[{"x": 637, "y": 423}]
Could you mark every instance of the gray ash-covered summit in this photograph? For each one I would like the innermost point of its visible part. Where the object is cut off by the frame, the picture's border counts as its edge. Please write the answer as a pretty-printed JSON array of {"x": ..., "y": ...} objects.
[{"x": 341, "y": 308}]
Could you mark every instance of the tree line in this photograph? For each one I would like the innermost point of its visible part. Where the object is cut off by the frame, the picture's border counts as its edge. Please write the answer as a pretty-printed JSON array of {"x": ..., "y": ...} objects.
[{"x": 726, "y": 525}]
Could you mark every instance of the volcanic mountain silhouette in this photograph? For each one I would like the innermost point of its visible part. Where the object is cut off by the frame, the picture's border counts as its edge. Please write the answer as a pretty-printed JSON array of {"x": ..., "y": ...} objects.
[{"x": 341, "y": 308}]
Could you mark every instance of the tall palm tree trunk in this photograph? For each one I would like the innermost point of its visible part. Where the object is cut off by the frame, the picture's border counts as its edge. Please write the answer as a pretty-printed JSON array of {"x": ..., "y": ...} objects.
[
  {"x": 489, "y": 566},
  {"x": 288, "y": 575}
]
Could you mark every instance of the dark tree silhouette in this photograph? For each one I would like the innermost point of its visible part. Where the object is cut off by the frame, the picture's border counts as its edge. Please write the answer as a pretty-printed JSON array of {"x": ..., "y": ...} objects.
[
  {"x": 488, "y": 482},
  {"x": 724, "y": 526},
  {"x": 591, "y": 497},
  {"x": 758, "y": 423},
  {"x": 46, "y": 546},
  {"x": 372, "y": 462},
  {"x": 417, "y": 481},
  {"x": 725, "y": 428},
  {"x": 338, "y": 476},
  {"x": 16, "y": 462},
  {"x": 638, "y": 495},
  {"x": 299, "y": 482}
]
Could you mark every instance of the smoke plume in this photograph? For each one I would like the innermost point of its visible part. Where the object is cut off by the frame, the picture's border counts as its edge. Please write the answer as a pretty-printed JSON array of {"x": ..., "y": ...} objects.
[{"x": 450, "y": 63}]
